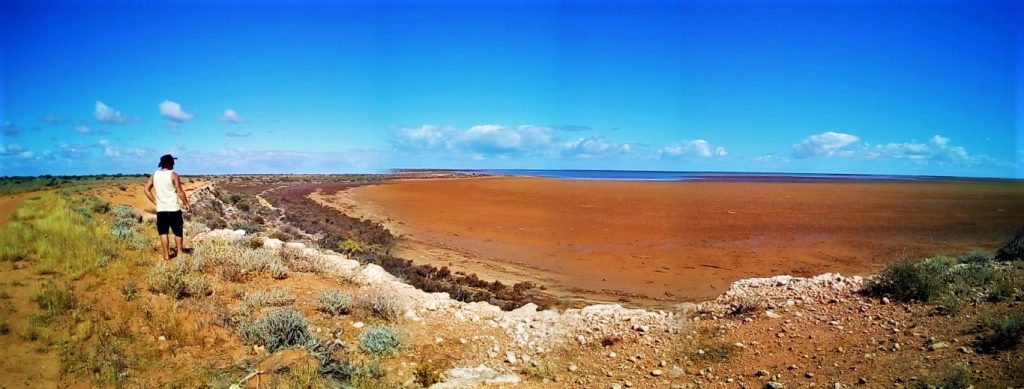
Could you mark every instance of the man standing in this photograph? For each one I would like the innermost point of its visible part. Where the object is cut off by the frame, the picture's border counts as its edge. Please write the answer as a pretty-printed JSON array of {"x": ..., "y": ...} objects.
[{"x": 169, "y": 200}]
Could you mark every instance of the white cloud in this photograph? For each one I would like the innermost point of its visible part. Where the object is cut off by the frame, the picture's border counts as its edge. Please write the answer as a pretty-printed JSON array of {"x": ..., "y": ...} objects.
[
  {"x": 938, "y": 149},
  {"x": 230, "y": 116},
  {"x": 693, "y": 148},
  {"x": 423, "y": 137},
  {"x": 173, "y": 113},
  {"x": 107, "y": 114},
  {"x": 485, "y": 139},
  {"x": 497, "y": 139},
  {"x": 771, "y": 158},
  {"x": 233, "y": 134},
  {"x": 594, "y": 146},
  {"x": 825, "y": 144},
  {"x": 82, "y": 128}
]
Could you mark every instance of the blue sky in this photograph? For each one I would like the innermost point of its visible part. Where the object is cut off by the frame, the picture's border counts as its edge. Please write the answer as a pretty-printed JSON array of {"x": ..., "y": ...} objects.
[{"x": 905, "y": 87}]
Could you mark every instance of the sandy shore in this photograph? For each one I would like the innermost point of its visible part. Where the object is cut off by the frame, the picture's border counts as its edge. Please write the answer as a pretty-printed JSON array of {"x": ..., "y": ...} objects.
[{"x": 689, "y": 240}]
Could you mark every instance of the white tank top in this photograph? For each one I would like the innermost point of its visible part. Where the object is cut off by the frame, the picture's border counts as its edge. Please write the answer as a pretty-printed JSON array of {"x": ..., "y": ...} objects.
[{"x": 166, "y": 195}]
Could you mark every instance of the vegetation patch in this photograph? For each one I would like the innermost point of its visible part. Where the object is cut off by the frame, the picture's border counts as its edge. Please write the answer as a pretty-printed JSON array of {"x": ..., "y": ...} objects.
[
  {"x": 334, "y": 303},
  {"x": 380, "y": 340},
  {"x": 277, "y": 330},
  {"x": 909, "y": 280},
  {"x": 1000, "y": 332},
  {"x": 54, "y": 301},
  {"x": 177, "y": 280}
]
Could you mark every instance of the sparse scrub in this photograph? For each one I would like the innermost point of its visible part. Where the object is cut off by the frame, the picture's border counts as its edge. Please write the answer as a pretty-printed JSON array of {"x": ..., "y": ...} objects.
[
  {"x": 976, "y": 256},
  {"x": 975, "y": 273},
  {"x": 429, "y": 372},
  {"x": 129, "y": 290},
  {"x": 380, "y": 340},
  {"x": 177, "y": 281},
  {"x": 908, "y": 280},
  {"x": 1003, "y": 288},
  {"x": 747, "y": 305},
  {"x": 277, "y": 330},
  {"x": 334, "y": 303},
  {"x": 1000, "y": 332},
  {"x": 297, "y": 260},
  {"x": 267, "y": 298},
  {"x": 716, "y": 352},
  {"x": 383, "y": 304},
  {"x": 1013, "y": 250},
  {"x": 54, "y": 301},
  {"x": 277, "y": 271}
]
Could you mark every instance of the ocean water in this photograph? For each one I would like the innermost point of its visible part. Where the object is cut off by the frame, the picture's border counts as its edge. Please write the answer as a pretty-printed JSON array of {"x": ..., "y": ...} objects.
[{"x": 636, "y": 175}]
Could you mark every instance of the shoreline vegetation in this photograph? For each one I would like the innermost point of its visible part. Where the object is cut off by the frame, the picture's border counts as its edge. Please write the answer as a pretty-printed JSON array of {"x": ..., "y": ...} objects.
[{"x": 262, "y": 309}]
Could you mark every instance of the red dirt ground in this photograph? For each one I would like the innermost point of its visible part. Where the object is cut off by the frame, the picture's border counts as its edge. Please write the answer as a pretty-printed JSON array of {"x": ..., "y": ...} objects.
[{"x": 689, "y": 240}]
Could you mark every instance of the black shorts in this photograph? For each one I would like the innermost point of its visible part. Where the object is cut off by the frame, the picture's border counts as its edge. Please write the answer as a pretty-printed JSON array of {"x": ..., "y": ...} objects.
[{"x": 169, "y": 220}]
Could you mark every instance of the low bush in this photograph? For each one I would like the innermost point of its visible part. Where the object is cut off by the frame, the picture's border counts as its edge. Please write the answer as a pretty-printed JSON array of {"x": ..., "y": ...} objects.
[
  {"x": 334, "y": 303},
  {"x": 176, "y": 280},
  {"x": 908, "y": 280},
  {"x": 1003, "y": 288},
  {"x": 975, "y": 256},
  {"x": 1000, "y": 332},
  {"x": 267, "y": 298},
  {"x": 279, "y": 329},
  {"x": 129, "y": 290},
  {"x": 380, "y": 340},
  {"x": 747, "y": 305},
  {"x": 1013, "y": 250},
  {"x": 277, "y": 271},
  {"x": 383, "y": 304}
]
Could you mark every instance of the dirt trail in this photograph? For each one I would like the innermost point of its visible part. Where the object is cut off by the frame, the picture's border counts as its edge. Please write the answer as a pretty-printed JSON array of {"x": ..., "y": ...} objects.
[{"x": 689, "y": 241}]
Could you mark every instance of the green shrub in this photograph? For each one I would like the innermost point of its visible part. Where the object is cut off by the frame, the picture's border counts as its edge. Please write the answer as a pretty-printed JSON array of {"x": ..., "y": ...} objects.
[
  {"x": 975, "y": 274},
  {"x": 54, "y": 301},
  {"x": 1000, "y": 332},
  {"x": 129, "y": 290},
  {"x": 277, "y": 330},
  {"x": 1004, "y": 288},
  {"x": 908, "y": 280},
  {"x": 1013, "y": 250},
  {"x": 334, "y": 303},
  {"x": 976, "y": 256},
  {"x": 349, "y": 246},
  {"x": 380, "y": 340}
]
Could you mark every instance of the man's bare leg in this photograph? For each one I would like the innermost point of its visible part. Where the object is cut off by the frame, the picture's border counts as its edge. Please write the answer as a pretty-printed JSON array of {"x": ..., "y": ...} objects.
[
  {"x": 179, "y": 242},
  {"x": 166, "y": 242}
]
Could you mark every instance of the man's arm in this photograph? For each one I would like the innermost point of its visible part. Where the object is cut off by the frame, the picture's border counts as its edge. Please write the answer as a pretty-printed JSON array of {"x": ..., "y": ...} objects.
[
  {"x": 181, "y": 193},
  {"x": 149, "y": 190}
]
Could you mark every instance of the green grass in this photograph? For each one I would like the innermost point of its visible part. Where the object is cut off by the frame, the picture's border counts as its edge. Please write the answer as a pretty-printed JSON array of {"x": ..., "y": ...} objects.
[
  {"x": 54, "y": 301},
  {"x": 909, "y": 280},
  {"x": 334, "y": 303},
  {"x": 59, "y": 240},
  {"x": 1000, "y": 332}
]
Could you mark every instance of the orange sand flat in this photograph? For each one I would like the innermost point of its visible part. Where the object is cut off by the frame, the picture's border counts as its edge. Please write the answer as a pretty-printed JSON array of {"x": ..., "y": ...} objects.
[{"x": 690, "y": 240}]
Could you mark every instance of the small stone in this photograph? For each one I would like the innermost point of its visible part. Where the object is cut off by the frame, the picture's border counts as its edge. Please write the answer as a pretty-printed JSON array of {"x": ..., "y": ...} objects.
[
  {"x": 862, "y": 381},
  {"x": 616, "y": 386},
  {"x": 964, "y": 350},
  {"x": 162, "y": 338},
  {"x": 612, "y": 354},
  {"x": 836, "y": 385},
  {"x": 573, "y": 367},
  {"x": 773, "y": 385},
  {"x": 510, "y": 357},
  {"x": 628, "y": 384},
  {"x": 662, "y": 364},
  {"x": 358, "y": 324},
  {"x": 462, "y": 341},
  {"x": 809, "y": 375},
  {"x": 938, "y": 346},
  {"x": 885, "y": 300},
  {"x": 656, "y": 372},
  {"x": 760, "y": 373}
]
